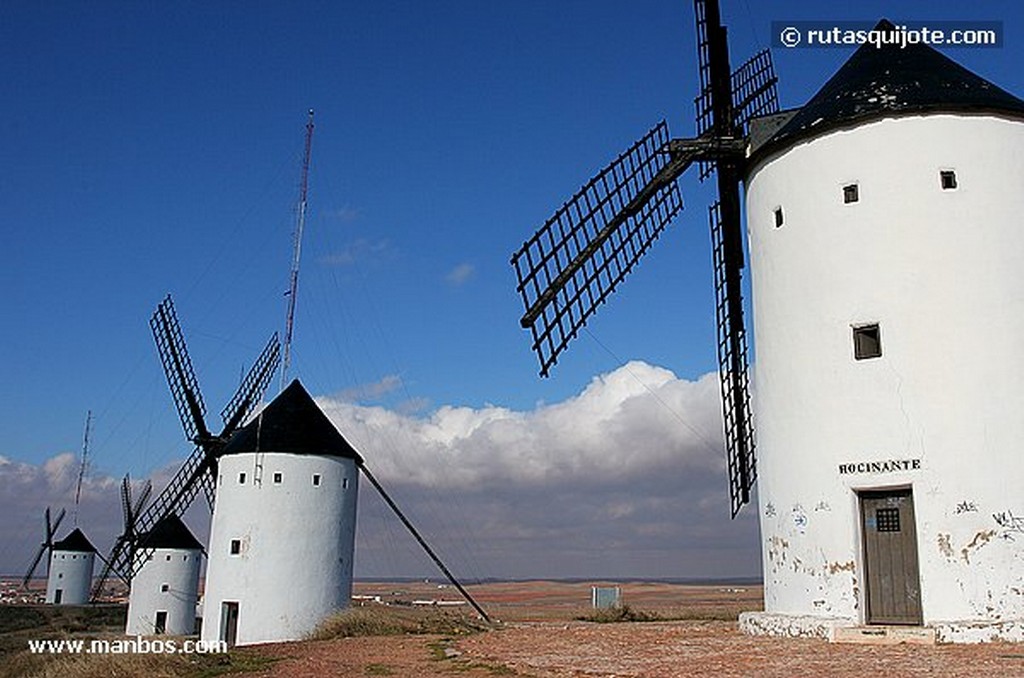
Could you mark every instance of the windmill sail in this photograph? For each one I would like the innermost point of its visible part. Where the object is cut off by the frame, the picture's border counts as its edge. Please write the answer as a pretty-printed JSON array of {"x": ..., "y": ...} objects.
[
  {"x": 198, "y": 472},
  {"x": 576, "y": 260},
  {"x": 47, "y": 546}
]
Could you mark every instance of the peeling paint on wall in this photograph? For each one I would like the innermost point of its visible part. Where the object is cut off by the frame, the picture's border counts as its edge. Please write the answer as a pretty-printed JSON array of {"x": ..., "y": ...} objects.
[
  {"x": 980, "y": 539},
  {"x": 944, "y": 546},
  {"x": 834, "y": 568},
  {"x": 966, "y": 507}
]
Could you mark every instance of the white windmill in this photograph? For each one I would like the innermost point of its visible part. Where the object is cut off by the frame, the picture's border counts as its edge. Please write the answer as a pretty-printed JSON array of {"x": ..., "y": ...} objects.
[
  {"x": 69, "y": 579},
  {"x": 887, "y": 258},
  {"x": 69, "y": 564},
  {"x": 165, "y": 587},
  {"x": 284, "y": 522}
]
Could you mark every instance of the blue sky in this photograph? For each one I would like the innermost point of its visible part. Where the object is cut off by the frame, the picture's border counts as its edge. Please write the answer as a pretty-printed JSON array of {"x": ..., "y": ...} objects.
[{"x": 156, "y": 147}]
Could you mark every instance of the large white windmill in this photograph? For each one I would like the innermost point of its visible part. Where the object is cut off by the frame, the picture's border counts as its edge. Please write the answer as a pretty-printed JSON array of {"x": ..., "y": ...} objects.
[
  {"x": 887, "y": 259},
  {"x": 888, "y": 268},
  {"x": 282, "y": 540}
]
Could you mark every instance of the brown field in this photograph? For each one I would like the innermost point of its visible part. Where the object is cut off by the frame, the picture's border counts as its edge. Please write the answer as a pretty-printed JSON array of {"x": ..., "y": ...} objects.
[
  {"x": 693, "y": 633},
  {"x": 540, "y": 637}
]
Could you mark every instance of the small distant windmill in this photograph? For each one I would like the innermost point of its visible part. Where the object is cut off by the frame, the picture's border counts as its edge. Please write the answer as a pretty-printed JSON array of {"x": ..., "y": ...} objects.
[
  {"x": 575, "y": 261},
  {"x": 46, "y": 547},
  {"x": 199, "y": 472}
]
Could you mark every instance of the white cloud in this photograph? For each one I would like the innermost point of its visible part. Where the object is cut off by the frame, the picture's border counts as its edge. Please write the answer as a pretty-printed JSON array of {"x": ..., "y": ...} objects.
[
  {"x": 460, "y": 274},
  {"x": 26, "y": 490},
  {"x": 345, "y": 215},
  {"x": 357, "y": 251},
  {"x": 627, "y": 423},
  {"x": 371, "y": 391},
  {"x": 625, "y": 479}
]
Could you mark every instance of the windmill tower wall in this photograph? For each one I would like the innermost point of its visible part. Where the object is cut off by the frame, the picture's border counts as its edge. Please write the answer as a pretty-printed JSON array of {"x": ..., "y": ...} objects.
[
  {"x": 933, "y": 421},
  {"x": 283, "y": 534},
  {"x": 167, "y": 583},
  {"x": 69, "y": 579},
  {"x": 280, "y": 548},
  {"x": 165, "y": 587}
]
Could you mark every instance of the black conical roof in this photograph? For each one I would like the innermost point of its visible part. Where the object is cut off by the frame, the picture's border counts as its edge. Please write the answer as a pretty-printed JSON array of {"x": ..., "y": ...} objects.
[
  {"x": 170, "y": 533},
  {"x": 891, "y": 80},
  {"x": 76, "y": 541},
  {"x": 292, "y": 423}
]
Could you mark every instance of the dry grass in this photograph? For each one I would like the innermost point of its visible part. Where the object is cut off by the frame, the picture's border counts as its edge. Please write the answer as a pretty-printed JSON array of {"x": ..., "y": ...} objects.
[
  {"x": 391, "y": 621},
  {"x": 621, "y": 613},
  {"x": 625, "y": 613},
  {"x": 26, "y": 665}
]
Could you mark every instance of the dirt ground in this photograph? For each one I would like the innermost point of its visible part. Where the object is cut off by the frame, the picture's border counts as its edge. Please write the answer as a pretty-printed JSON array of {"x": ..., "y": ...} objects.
[{"x": 539, "y": 638}]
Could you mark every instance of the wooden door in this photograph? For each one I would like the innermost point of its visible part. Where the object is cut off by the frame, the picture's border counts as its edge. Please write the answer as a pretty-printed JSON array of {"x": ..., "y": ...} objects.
[
  {"x": 890, "y": 557},
  {"x": 161, "y": 622},
  {"x": 229, "y": 623}
]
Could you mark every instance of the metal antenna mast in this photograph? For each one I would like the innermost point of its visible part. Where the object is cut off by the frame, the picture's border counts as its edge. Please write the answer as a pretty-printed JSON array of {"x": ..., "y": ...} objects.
[
  {"x": 300, "y": 224},
  {"x": 85, "y": 456}
]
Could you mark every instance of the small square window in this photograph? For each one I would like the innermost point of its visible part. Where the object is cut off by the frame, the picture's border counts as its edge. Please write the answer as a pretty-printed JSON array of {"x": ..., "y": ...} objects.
[
  {"x": 344, "y": 483},
  {"x": 851, "y": 193},
  {"x": 779, "y": 219},
  {"x": 167, "y": 558},
  {"x": 316, "y": 480},
  {"x": 277, "y": 477},
  {"x": 887, "y": 519},
  {"x": 164, "y": 588},
  {"x": 948, "y": 179},
  {"x": 236, "y": 546},
  {"x": 241, "y": 478},
  {"x": 867, "y": 342}
]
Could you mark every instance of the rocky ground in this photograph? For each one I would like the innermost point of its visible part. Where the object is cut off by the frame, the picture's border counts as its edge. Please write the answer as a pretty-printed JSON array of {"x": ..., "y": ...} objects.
[
  {"x": 693, "y": 633},
  {"x": 540, "y": 638}
]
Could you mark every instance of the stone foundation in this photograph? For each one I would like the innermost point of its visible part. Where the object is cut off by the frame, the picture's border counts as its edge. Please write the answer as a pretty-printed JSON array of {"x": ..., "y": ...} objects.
[
  {"x": 808, "y": 626},
  {"x": 791, "y": 625}
]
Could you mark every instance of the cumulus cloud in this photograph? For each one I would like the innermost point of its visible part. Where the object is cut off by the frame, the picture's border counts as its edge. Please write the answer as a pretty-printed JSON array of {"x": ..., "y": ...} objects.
[
  {"x": 636, "y": 420},
  {"x": 26, "y": 490},
  {"x": 624, "y": 479},
  {"x": 627, "y": 478}
]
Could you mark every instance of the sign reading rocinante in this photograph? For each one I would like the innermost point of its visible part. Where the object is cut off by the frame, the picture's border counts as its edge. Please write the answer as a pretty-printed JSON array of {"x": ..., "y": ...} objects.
[{"x": 888, "y": 466}]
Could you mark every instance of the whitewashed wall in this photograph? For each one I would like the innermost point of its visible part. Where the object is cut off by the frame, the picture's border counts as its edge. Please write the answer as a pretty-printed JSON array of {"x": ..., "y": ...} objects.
[
  {"x": 297, "y": 542},
  {"x": 70, "y": 571},
  {"x": 178, "y": 570},
  {"x": 942, "y": 272}
]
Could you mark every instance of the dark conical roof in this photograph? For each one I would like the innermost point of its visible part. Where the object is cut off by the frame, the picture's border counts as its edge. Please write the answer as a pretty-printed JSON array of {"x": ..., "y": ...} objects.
[
  {"x": 76, "y": 541},
  {"x": 170, "y": 533},
  {"x": 292, "y": 423},
  {"x": 891, "y": 80}
]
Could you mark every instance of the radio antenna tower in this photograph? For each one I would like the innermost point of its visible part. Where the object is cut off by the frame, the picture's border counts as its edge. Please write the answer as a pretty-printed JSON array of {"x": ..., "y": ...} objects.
[
  {"x": 300, "y": 224},
  {"x": 85, "y": 456}
]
